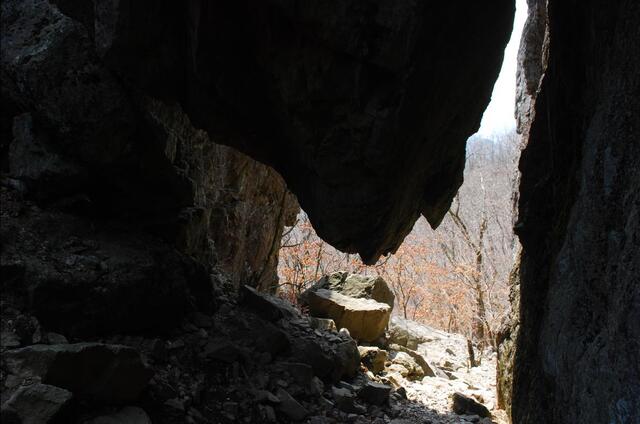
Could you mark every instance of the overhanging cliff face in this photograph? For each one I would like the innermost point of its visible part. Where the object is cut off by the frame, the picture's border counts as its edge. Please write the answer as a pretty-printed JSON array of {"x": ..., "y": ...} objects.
[
  {"x": 363, "y": 107},
  {"x": 576, "y": 357}
]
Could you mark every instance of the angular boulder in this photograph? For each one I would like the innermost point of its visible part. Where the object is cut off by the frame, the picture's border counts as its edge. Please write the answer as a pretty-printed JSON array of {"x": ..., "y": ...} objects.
[
  {"x": 108, "y": 373},
  {"x": 465, "y": 405},
  {"x": 373, "y": 358},
  {"x": 353, "y": 285},
  {"x": 346, "y": 355},
  {"x": 365, "y": 319},
  {"x": 35, "y": 404},
  {"x": 375, "y": 393},
  {"x": 268, "y": 307},
  {"x": 329, "y": 360},
  {"x": 345, "y": 400}
]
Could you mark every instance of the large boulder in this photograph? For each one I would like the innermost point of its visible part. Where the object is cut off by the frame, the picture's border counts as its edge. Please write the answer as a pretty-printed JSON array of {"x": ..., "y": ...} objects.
[
  {"x": 365, "y": 319},
  {"x": 354, "y": 285},
  {"x": 108, "y": 373}
]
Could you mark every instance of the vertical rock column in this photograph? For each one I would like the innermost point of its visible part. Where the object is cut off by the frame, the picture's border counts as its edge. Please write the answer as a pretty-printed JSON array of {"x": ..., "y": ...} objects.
[{"x": 577, "y": 343}]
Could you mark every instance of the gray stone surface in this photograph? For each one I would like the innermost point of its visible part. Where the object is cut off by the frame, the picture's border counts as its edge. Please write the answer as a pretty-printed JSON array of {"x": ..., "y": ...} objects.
[
  {"x": 353, "y": 285},
  {"x": 36, "y": 404},
  {"x": 365, "y": 319},
  {"x": 576, "y": 350},
  {"x": 409, "y": 333}
]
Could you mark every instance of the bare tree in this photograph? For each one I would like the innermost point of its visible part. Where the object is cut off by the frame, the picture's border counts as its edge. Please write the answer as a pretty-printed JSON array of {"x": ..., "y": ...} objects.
[
  {"x": 477, "y": 239},
  {"x": 454, "y": 278}
]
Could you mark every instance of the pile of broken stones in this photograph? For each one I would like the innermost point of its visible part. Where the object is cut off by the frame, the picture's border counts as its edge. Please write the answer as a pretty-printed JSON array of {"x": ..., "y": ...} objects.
[{"x": 256, "y": 359}]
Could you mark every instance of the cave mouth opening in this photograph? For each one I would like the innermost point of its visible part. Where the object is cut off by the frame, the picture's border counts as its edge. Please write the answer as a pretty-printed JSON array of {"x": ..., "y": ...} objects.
[
  {"x": 466, "y": 261},
  {"x": 455, "y": 279},
  {"x": 453, "y": 282}
]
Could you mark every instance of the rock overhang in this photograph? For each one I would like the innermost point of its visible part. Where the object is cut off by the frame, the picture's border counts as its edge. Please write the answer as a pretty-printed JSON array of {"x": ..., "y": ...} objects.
[{"x": 363, "y": 107}]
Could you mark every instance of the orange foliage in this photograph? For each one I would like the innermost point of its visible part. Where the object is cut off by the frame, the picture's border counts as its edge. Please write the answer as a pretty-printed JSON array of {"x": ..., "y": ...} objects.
[
  {"x": 455, "y": 278},
  {"x": 426, "y": 289}
]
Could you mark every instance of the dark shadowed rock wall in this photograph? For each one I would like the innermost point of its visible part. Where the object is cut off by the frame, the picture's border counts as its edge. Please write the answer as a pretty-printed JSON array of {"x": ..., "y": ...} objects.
[
  {"x": 576, "y": 357},
  {"x": 80, "y": 141}
]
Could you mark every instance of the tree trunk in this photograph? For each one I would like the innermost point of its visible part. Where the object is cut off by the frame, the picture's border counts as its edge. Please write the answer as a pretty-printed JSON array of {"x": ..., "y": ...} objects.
[{"x": 472, "y": 356}]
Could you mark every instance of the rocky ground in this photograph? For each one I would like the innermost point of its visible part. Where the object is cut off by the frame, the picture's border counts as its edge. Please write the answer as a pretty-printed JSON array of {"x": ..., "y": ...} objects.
[
  {"x": 431, "y": 397},
  {"x": 251, "y": 359}
]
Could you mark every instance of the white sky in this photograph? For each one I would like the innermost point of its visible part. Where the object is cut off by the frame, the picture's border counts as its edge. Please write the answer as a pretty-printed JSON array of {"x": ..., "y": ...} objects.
[{"x": 499, "y": 116}]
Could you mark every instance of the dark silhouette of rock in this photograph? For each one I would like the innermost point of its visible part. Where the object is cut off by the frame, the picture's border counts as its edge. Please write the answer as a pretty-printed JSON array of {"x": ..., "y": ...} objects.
[
  {"x": 290, "y": 407},
  {"x": 37, "y": 404},
  {"x": 577, "y": 218},
  {"x": 110, "y": 373},
  {"x": 84, "y": 281},
  {"x": 375, "y": 393},
  {"x": 96, "y": 145},
  {"x": 465, "y": 405},
  {"x": 267, "y": 306}
]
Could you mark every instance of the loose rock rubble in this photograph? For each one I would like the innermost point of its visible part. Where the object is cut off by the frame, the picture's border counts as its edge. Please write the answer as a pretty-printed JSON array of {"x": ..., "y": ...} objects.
[
  {"x": 228, "y": 356},
  {"x": 255, "y": 359}
]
